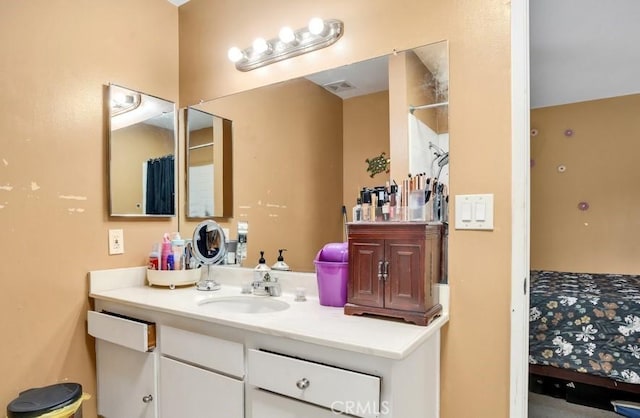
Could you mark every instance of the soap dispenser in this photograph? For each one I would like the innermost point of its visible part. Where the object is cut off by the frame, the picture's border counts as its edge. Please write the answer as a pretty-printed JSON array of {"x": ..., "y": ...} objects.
[
  {"x": 261, "y": 269},
  {"x": 280, "y": 264}
]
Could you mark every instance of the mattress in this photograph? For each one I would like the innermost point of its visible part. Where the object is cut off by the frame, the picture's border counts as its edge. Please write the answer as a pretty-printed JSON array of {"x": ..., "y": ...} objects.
[{"x": 589, "y": 323}]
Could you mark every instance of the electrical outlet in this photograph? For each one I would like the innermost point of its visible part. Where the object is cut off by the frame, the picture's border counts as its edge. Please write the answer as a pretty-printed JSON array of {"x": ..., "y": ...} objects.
[{"x": 116, "y": 241}]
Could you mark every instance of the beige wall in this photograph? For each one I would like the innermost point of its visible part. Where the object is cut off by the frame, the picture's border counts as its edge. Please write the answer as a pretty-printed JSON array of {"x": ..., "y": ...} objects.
[
  {"x": 601, "y": 160},
  {"x": 365, "y": 135},
  {"x": 475, "y": 345},
  {"x": 57, "y": 58}
]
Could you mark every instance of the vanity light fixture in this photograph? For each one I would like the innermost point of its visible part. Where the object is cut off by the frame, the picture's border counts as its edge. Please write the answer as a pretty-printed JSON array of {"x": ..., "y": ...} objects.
[
  {"x": 124, "y": 102},
  {"x": 289, "y": 43}
]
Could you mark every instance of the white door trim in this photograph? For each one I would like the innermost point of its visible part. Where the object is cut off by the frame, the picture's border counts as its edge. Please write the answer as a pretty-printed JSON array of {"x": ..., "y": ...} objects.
[{"x": 520, "y": 208}]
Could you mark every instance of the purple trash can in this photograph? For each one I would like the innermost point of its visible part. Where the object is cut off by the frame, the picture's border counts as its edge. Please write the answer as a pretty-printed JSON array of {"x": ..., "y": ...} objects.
[{"x": 332, "y": 273}]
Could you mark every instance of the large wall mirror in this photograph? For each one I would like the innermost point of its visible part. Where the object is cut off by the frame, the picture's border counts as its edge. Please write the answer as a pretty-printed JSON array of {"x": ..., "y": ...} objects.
[
  {"x": 142, "y": 149},
  {"x": 209, "y": 165},
  {"x": 299, "y": 146}
]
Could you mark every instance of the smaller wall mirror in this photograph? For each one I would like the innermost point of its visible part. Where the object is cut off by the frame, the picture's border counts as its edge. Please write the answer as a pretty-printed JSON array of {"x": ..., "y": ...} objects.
[
  {"x": 142, "y": 149},
  {"x": 209, "y": 165}
]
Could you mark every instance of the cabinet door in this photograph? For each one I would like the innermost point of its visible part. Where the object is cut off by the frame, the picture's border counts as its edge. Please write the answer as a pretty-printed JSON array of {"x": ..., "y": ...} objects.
[
  {"x": 126, "y": 381},
  {"x": 191, "y": 392},
  {"x": 404, "y": 285},
  {"x": 366, "y": 262}
]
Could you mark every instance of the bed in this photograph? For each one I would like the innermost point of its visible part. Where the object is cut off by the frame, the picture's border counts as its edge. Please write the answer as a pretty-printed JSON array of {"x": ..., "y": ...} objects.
[{"x": 586, "y": 327}]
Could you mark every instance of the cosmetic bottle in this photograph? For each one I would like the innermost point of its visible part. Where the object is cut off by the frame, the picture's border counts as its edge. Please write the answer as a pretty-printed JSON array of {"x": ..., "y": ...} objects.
[
  {"x": 357, "y": 211},
  {"x": 177, "y": 249},
  {"x": 379, "y": 209},
  {"x": 393, "y": 202},
  {"x": 164, "y": 252},
  {"x": 154, "y": 258},
  {"x": 366, "y": 206},
  {"x": 170, "y": 262}
]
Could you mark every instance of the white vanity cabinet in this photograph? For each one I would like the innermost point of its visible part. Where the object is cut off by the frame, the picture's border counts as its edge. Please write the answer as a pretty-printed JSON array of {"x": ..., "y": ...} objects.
[{"x": 308, "y": 361}]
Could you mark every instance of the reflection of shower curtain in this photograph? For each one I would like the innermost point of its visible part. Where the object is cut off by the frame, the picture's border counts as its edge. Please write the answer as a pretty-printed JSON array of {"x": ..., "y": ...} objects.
[
  {"x": 160, "y": 183},
  {"x": 420, "y": 156}
]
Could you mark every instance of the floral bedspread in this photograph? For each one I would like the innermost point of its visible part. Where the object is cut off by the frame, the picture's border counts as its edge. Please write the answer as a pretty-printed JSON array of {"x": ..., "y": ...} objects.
[{"x": 589, "y": 323}]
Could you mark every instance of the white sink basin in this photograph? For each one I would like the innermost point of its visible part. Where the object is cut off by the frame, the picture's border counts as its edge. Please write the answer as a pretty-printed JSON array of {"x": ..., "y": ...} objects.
[{"x": 243, "y": 304}]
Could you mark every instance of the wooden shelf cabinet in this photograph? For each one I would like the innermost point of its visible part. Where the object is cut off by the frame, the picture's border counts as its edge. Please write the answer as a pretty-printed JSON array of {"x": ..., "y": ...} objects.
[{"x": 393, "y": 269}]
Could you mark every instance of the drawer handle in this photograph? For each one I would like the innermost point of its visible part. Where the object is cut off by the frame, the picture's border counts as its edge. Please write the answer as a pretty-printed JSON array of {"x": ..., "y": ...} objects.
[
  {"x": 380, "y": 270},
  {"x": 147, "y": 399},
  {"x": 386, "y": 270},
  {"x": 303, "y": 383}
]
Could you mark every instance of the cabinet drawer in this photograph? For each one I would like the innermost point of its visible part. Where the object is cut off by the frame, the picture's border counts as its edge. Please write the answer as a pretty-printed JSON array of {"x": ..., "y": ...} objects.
[
  {"x": 206, "y": 351},
  {"x": 128, "y": 332},
  {"x": 327, "y": 386},
  {"x": 269, "y": 405}
]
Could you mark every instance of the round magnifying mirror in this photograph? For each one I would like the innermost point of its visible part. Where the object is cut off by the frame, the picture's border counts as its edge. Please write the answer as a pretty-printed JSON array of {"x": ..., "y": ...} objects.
[{"x": 209, "y": 247}]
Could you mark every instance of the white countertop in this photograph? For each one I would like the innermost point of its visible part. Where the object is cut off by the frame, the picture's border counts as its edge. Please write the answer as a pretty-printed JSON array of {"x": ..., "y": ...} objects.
[{"x": 304, "y": 321}]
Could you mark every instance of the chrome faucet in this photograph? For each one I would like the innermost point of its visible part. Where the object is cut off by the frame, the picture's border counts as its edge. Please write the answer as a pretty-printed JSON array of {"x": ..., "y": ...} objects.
[{"x": 266, "y": 286}]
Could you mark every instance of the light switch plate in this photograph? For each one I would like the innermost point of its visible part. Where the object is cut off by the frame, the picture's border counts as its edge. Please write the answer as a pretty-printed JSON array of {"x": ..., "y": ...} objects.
[
  {"x": 481, "y": 208},
  {"x": 116, "y": 241}
]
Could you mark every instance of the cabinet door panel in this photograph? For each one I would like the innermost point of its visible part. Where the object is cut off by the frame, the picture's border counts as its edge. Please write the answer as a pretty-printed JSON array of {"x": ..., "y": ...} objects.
[
  {"x": 125, "y": 377},
  {"x": 366, "y": 260},
  {"x": 404, "y": 287},
  {"x": 191, "y": 392}
]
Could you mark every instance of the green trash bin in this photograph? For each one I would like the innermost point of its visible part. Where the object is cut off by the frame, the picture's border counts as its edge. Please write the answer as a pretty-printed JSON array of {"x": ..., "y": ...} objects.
[{"x": 62, "y": 400}]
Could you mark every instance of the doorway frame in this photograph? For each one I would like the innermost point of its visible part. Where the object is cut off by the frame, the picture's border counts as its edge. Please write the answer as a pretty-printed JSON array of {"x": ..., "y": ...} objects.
[{"x": 520, "y": 209}]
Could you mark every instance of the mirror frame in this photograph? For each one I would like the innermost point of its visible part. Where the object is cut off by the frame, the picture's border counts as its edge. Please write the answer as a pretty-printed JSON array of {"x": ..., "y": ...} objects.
[
  {"x": 222, "y": 166},
  {"x": 112, "y": 196}
]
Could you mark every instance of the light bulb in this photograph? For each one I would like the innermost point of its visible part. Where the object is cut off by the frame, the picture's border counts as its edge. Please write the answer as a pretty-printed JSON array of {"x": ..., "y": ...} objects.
[
  {"x": 316, "y": 26},
  {"x": 235, "y": 54},
  {"x": 260, "y": 46},
  {"x": 286, "y": 35},
  {"x": 119, "y": 99}
]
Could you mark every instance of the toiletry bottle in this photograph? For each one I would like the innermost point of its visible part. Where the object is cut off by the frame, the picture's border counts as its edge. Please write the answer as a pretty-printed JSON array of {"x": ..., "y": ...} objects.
[
  {"x": 280, "y": 264},
  {"x": 393, "y": 201},
  {"x": 366, "y": 206},
  {"x": 154, "y": 258},
  {"x": 164, "y": 252},
  {"x": 357, "y": 211},
  {"x": 177, "y": 248},
  {"x": 170, "y": 262},
  {"x": 261, "y": 269}
]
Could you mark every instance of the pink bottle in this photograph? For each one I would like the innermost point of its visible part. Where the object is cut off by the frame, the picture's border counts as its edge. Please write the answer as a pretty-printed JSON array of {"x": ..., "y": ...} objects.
[{"x": 164, "y": 252}]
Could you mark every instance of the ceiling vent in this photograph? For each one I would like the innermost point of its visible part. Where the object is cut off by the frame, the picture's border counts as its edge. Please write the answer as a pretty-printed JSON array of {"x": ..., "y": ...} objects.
[{"x": 339, "y": 86}]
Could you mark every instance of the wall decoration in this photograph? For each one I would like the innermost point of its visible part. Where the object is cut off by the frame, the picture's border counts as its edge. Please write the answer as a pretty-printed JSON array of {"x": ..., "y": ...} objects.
[{"x": 377, "y": 165}]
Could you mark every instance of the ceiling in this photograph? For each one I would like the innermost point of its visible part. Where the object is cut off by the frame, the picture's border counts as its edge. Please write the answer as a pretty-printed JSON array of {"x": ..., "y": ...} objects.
[
  {"x": 579, "y": 50},
  {"x": 583, "y": 50}
]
